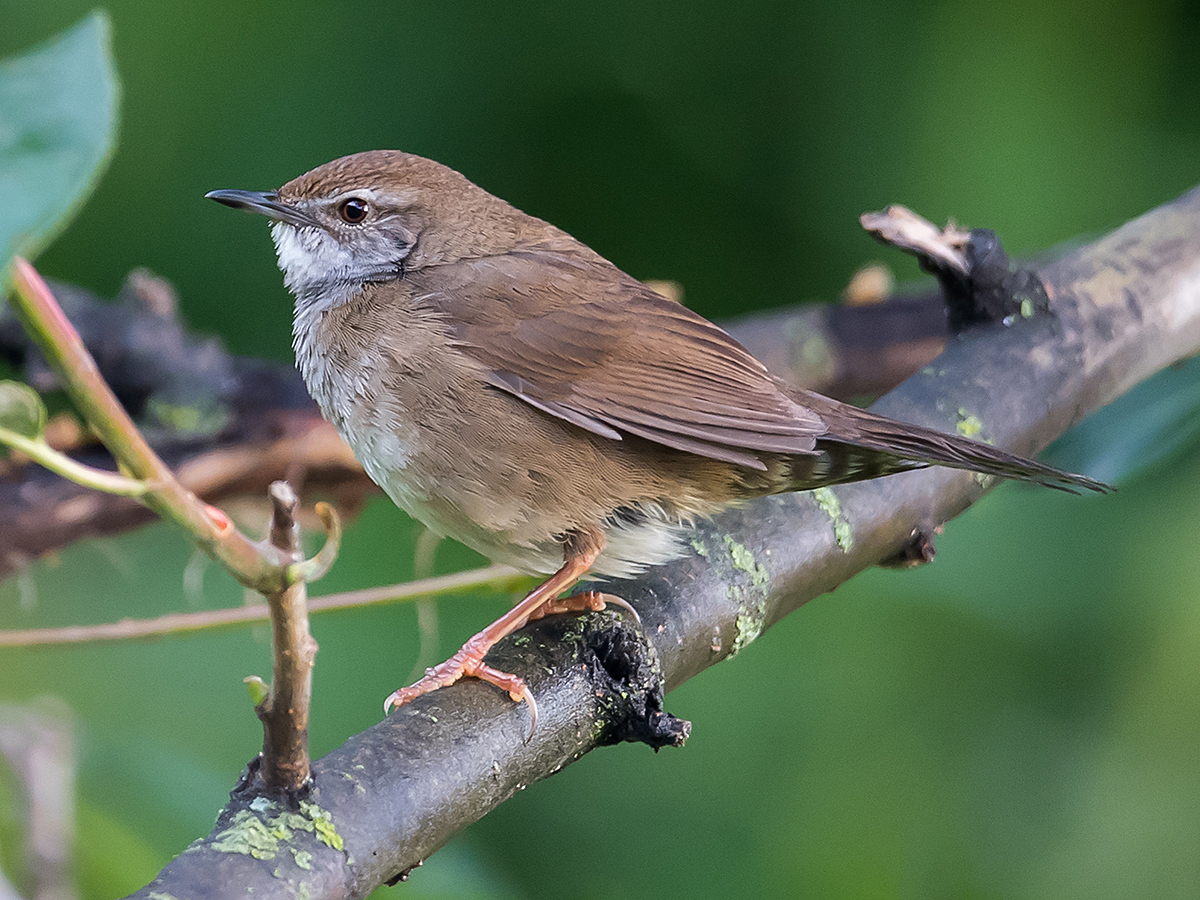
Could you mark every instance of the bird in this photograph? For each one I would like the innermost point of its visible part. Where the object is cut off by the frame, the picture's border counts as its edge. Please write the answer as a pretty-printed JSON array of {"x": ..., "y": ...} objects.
[{"x": 511, "y": 388}]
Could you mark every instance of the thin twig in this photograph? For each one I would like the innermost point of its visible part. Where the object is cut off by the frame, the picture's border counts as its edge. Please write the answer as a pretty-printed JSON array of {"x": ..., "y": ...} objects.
[
  {"x": 424, "y": 556},
  {"x": 43, "y": 454},
  {"x": 37, "y": 742},
  {"x": 284, "y": 711},
  {"x": 181, "y": 623}
]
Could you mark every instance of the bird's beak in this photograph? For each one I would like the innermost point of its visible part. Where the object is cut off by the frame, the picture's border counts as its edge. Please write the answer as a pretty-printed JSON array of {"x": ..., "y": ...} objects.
[{"x": 265, "y": 202}]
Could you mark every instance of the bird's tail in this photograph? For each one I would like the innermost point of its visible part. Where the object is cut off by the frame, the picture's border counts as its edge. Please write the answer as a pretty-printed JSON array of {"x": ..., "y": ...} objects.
[{"x": 861, "y": 445}]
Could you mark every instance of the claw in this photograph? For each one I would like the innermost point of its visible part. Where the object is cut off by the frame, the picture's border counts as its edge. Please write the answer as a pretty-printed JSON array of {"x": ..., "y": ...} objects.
[
  {"x": 624, "y": 604},
  {"x": 527, "y": 696}
]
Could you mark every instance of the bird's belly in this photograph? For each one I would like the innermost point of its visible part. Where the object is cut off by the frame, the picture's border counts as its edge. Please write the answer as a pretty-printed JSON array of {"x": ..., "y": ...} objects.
[
  {"x": 496, "y": 494},
  {"x": 636, "y": 538}
]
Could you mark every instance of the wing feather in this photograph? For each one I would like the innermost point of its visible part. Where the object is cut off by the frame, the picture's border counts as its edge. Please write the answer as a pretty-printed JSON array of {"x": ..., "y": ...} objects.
[{"x": 580, "y": 340}]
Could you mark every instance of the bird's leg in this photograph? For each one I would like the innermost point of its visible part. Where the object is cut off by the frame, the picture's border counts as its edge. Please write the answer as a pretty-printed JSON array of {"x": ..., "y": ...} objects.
[{"x": 579, "y": 552}]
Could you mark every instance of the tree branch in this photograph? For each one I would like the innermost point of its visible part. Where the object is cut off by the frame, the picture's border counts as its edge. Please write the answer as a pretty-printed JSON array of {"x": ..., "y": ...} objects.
[
  {"x": 226, "y": 426},
  {"x": 1123, "y": 308}
]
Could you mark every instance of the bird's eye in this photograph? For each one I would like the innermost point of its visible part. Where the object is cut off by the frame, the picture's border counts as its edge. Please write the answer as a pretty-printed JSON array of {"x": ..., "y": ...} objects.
[{"x": 353, "y": 211}]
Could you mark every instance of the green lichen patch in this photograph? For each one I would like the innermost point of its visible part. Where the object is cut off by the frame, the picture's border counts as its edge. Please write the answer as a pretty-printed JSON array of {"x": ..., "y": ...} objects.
[
  {"x": 255, "y": 832},
  {"x": 843, "y": 531},
  {"x": 204, "y": 419},
  {"x": 985, "y": 480},
  {"x": 698, "y": 546},
  {"x": 248, "y": 835},
  {"x": 968, "y": 425},
  {"x": 748, "y": 626},
  {"x": 751, "y": 600},
  {"x": 358, "y": 788},
  {"x": 323, "y": 825},
  {"x": 815, "y": 355},
  {"x": 743, "y": 560}
]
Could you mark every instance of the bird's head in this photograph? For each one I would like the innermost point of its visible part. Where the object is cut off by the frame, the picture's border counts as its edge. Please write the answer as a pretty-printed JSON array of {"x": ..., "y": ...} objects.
[{"x": 374, "y": 217}]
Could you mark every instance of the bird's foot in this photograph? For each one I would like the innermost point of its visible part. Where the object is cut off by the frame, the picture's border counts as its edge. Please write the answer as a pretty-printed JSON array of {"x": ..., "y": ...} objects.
[
  {"x": 585, "y": 601},
  {"x": 469, "y": 659}
]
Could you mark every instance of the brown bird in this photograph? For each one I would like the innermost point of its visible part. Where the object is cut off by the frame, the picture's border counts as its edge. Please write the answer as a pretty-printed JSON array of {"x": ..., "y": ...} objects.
[{"x": 511, "y": 388}]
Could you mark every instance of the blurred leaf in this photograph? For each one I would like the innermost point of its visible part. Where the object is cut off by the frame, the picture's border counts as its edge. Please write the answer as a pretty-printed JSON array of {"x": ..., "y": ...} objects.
[
  {"x": 21, "y": 409},
  {"x": 58, "y": 119},
  {"x": 114, "y": 858},
  {"x": 1150, "y": 424}
]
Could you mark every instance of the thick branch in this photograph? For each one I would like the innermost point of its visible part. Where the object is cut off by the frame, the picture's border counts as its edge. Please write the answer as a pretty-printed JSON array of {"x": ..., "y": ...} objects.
[
  {"x": 848, "y": 351},
  {"x": 1123, "y": 308}
]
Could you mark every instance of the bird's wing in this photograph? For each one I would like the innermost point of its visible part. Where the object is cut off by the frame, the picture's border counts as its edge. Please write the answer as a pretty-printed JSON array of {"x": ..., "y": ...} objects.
[{"x": 578, "y": 339}]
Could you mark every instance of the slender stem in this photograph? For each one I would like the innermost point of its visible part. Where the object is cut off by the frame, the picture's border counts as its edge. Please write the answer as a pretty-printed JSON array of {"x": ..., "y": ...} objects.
[
  {"x": 182, "y": 623},
  {"x": 285, "y": 711},
  {"x": 38, "y": 744},
  {"x": 254, "y": 565},
  {"x": 87, "y": 476}
]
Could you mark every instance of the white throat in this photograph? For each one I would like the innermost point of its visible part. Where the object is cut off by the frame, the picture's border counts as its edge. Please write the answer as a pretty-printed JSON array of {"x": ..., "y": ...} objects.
[{"x": 320, "y": 272}]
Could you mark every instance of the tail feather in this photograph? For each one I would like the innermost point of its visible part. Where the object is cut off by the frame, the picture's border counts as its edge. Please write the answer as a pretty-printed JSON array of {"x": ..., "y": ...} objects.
[{"x": 892, "y": 446}]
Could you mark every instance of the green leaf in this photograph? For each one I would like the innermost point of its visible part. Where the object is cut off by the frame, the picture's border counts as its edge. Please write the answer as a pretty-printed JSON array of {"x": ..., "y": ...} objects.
[
  {"x": 58, "y": 121},
  {"x": 21, "y": 409}
]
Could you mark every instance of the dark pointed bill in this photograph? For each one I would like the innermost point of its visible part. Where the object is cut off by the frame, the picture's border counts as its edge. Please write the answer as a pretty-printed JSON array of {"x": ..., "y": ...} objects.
[{"x": 266, "y": 203}]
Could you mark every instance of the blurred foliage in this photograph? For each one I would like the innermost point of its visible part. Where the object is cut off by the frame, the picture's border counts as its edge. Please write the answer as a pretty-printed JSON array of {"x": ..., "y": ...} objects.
[
  {"x": 1149, "y": 426},
  {"x": 58, "y": 123},
  {"x": 1017, "y": 720}
]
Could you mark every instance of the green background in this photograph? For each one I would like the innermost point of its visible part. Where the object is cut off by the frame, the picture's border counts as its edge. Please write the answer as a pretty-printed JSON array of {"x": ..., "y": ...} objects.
[{"x": 1020, "y": 719}]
